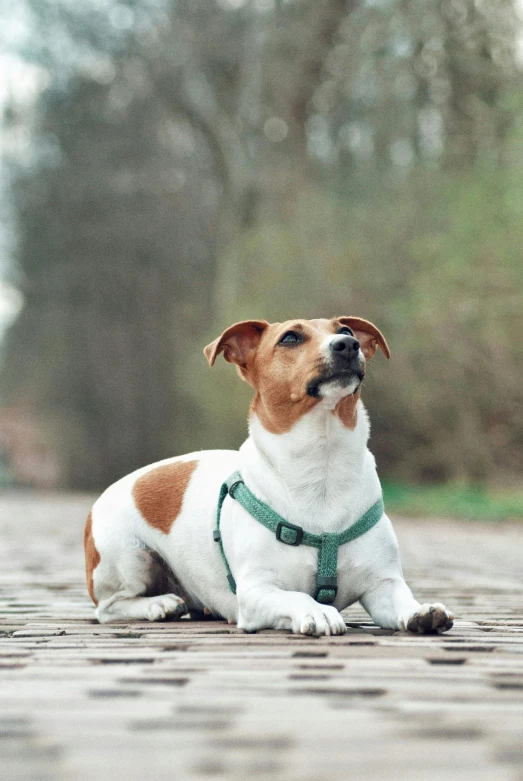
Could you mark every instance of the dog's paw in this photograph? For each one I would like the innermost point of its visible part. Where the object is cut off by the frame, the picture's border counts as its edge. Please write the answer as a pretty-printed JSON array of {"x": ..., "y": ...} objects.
[
  {"x": 166, "y": 607},
  {"x": 429, "y": 619},
  {"x": 319, "y": 620}
]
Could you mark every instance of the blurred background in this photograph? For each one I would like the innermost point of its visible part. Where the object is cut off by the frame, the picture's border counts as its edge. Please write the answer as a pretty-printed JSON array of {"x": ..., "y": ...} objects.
[{"x": 169, "y": 167}]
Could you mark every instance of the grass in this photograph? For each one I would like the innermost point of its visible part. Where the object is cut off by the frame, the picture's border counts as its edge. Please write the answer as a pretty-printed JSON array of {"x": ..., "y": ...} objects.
[{"x": 450, "y": 500}]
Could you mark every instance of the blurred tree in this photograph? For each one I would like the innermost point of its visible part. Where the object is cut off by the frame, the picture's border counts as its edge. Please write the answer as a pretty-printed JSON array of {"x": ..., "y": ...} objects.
[
  {"x": 197, "y": 162},
  {"x": 415, "y": 81},
  {"x": 115, "y": 224}
]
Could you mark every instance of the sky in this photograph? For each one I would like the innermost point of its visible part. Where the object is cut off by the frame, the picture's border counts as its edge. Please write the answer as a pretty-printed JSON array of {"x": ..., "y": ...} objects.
[{"x": 20, "y": 82}]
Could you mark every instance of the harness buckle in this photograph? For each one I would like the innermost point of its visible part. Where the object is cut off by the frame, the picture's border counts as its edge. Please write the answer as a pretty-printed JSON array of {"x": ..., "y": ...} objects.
[
  {"x": 286, "y": 528},
  {"x": 326, "y": 589}
]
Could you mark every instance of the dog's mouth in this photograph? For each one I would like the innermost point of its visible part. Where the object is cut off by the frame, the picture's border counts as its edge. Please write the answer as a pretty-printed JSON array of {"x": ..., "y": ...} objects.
[{"x": 343, "y": 378}]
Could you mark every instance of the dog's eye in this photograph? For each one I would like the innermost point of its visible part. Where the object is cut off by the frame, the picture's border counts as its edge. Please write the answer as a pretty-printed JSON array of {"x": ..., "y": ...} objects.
[
  {"x": 346, "y": 330},
  {"x": 291, "y": 337}
]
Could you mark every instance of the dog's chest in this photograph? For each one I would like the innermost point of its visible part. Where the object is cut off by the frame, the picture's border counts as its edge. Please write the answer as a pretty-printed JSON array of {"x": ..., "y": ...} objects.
[
  {"x": 258, "y": 553},
  {"x": 297, "y": 568},
  {"x": 321, "y": 479}
]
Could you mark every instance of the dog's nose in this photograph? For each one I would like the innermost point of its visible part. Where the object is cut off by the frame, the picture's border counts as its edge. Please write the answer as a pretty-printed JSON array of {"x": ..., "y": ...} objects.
[{"x": 345, "y": 345}]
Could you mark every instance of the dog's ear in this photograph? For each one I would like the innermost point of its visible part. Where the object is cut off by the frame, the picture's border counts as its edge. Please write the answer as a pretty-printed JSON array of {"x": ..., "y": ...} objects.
[
  {"x": 367, "y": 334},
  {"x": 237, "y": 343}
]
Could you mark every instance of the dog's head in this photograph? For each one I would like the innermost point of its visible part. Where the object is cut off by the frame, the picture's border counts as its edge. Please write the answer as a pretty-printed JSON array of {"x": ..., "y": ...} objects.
[{"x": 297, "y": 364}]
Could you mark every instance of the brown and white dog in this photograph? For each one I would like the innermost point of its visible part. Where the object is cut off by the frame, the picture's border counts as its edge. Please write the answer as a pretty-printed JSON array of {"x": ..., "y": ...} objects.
[{"x": 149, "y": 545}]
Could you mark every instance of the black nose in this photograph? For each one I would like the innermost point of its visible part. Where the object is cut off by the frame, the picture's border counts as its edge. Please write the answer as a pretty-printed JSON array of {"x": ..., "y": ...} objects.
[{"x": 345, "y": 345}]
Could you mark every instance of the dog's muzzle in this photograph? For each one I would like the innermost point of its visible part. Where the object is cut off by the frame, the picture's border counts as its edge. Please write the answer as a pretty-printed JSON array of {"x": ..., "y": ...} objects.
[{"x": 345, "y": 364}]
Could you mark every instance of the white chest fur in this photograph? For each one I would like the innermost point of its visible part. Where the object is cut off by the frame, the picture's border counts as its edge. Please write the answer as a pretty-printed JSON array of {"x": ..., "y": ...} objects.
[{"x": 319, "y": 475}]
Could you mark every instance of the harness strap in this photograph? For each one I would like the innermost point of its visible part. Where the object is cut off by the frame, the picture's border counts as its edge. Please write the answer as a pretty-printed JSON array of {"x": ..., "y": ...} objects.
[
  {"x": 290, "y": 534},
  {"x": 217, "y": 536}
]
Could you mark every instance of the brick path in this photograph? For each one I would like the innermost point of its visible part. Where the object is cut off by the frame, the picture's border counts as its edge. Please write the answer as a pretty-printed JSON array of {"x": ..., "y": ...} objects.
[{"x": 189, "y": 700}]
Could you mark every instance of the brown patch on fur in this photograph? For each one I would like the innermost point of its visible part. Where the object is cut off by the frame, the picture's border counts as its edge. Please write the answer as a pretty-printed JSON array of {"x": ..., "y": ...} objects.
[
  {"x": 276, "y": 414},
  {"x": 158, "y": 494},
  {"x": 280, "y": 375},
  {"x": 346, "y": 410},
  {"x": 92, "y": 557}
]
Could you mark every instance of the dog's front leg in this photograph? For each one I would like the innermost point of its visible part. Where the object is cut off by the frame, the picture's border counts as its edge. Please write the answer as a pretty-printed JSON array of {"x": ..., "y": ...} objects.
[
  {"x": 391, "y": 605},
  {"x": 264, "y": 606}
]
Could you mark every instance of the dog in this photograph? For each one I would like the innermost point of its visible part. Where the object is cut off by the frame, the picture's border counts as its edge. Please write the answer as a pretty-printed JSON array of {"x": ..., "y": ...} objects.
[{"x": 157, "y": 547}]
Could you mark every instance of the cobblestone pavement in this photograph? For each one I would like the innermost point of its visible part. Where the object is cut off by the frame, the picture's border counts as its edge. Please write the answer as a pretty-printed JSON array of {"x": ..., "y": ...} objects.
[{"x": 201, "y": 700}]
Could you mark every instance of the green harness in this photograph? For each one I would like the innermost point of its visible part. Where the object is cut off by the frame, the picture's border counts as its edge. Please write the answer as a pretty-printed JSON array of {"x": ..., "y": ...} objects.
[{"x": 288, "y": 533}]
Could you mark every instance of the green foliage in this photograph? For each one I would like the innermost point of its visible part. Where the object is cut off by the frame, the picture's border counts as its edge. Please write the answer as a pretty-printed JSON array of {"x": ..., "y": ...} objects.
[
  {"x": 471, "y": 503},
  {"x": 435, "y": 262}
]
